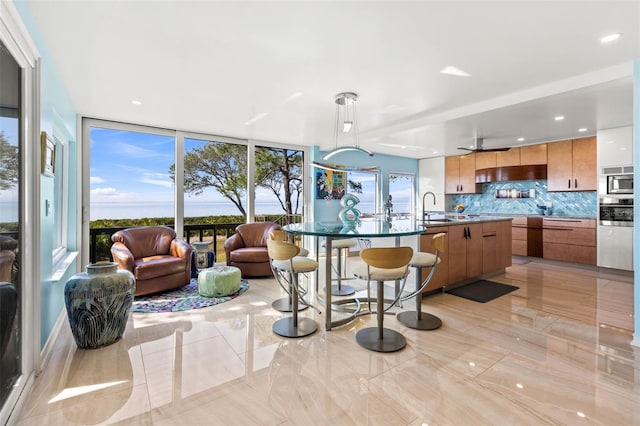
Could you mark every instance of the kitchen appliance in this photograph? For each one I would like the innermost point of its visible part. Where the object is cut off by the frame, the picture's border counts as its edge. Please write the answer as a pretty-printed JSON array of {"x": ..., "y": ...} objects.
[
  {"x": 616, "y": 212},
  {"x": 615, "y": 233},
  {"x": 620, "y": 184}
]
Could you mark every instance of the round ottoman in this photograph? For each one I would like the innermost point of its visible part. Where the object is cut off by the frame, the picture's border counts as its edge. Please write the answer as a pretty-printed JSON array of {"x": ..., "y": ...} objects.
[{"x": 219, "y": 281}]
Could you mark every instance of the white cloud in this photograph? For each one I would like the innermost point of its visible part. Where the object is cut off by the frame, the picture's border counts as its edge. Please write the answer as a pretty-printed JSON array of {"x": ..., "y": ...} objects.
[
  {"x": 157, "y": 179},
  {"x": 105, "y": 192},
  {"x": 96, "y": 179},
  {"x": 131, "y": 150}
]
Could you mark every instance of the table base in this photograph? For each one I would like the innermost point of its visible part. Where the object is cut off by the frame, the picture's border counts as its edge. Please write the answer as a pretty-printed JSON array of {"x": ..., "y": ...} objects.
[{"x": 342, "y": 290}]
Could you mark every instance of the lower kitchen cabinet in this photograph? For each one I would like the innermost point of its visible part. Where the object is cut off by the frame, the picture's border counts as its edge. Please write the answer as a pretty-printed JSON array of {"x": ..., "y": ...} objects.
[
  {"x": 472, "y": 250},
  {"x": 569, "y": 240}
]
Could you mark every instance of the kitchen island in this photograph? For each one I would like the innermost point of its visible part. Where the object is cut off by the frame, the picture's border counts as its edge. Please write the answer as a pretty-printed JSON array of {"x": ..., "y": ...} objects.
[{"x": 477, "y": 246}]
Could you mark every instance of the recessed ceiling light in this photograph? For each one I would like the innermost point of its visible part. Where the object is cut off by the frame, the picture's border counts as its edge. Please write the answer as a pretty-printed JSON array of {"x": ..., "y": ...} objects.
[
  {"x": 470, "y": 146},
  {"x": 136, "y": 102},
  {"x": 559, "y": 118},
  {"x": 582, "y": 129},
  {"x": 451, "y": 70},
  {"x": 610, "y": 37},
  {"x": 435, "y": 152},
  {"x": 520, "y": 139}
]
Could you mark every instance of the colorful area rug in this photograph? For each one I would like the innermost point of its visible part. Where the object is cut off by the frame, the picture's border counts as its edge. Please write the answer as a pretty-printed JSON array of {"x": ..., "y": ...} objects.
[{"x": 181, "y": 299}]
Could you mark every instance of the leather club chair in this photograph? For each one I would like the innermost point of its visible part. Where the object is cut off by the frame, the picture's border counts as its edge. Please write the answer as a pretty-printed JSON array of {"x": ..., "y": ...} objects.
[
  {"x": 247, "y": 248},
  {"x": 156, "y": 258}
]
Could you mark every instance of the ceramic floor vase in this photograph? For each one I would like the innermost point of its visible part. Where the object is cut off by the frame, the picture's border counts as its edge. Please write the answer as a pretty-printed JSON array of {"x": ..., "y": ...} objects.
[{"x": 98, "y": 304}]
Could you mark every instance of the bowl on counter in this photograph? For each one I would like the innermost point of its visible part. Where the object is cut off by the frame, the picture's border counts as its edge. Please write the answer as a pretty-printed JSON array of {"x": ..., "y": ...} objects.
[{"x": 458, "y": 209}]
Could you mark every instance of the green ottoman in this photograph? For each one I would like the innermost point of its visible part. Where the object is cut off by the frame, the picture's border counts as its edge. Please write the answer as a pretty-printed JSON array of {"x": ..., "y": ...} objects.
[{"x": 219, "y": 281}]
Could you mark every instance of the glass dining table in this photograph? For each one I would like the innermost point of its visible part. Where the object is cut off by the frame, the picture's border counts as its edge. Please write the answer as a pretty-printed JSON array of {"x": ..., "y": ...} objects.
[{"x": 365, "y": 228}]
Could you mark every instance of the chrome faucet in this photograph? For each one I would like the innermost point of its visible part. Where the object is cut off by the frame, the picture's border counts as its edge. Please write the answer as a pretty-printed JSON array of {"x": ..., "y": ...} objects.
[{"x": 424, "y": 211}]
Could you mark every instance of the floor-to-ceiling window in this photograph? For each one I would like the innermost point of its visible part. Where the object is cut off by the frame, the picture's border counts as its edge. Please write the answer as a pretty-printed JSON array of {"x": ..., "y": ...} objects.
[
  {"x": 364, "y": 185},
  {"x": 142, "y": 176},
  {"x": 278, "y": 189},
  {"x": 10, "y": 224},
  {"x": 401, "y": 189}
]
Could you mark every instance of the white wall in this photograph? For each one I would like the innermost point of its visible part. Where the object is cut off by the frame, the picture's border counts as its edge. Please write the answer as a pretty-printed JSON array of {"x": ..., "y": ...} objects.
[{"x": 431, "y": 178}]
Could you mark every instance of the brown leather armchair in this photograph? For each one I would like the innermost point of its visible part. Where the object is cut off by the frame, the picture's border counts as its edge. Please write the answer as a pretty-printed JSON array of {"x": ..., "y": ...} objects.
[
  {"x": 247, "y": 249},
  {"x": 156, "y": 258}
]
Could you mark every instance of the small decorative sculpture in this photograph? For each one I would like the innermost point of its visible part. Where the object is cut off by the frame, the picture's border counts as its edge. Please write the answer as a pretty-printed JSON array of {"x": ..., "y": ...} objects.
[{"x": 349, "y": 215}]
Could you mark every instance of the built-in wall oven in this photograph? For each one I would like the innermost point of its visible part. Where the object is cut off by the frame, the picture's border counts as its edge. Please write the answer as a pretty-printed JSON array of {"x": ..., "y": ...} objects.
[
  {"x": 615, "y": 233},
  {"x": 616, "y": 211}
]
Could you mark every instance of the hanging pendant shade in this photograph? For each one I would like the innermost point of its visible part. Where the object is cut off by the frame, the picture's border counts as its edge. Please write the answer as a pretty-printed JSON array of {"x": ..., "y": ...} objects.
[{"x": 347, "y": 124}]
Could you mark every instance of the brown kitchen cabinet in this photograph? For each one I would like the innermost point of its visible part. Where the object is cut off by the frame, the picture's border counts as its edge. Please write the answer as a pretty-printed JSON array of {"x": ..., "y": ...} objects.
[
  {"x": 460, "y": 174},
  {"x": 441, "y": 277},
  {"x": 496, "y": 246},
  {"x": 485, "y": 160},
  {"x": 508, "y": 158},
  {"x": 465, "y": 252},
  {"x": 519, "y": 236},
  {"x": 569, "y": 240},
  {"x": 533, "y": 154},
  {"x": 571, "y": 165}
]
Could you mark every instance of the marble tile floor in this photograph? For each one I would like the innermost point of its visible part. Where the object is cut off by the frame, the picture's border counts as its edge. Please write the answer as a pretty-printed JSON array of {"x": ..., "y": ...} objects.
[{"x": 556, "y": 351}]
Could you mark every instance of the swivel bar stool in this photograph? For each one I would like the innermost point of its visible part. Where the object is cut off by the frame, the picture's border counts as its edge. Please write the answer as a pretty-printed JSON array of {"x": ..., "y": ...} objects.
[
  {"x": 285, "y": 263},
  {"x": 284, "y": 304},
  {"x": 380, "y": 265},
  {"x": 342, "y": 247},
  {"x": 417, "y": 319}
]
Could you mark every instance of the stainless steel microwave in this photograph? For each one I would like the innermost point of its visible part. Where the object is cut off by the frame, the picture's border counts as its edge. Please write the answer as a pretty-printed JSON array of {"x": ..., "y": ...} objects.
[{"x": 620, "y": 184}]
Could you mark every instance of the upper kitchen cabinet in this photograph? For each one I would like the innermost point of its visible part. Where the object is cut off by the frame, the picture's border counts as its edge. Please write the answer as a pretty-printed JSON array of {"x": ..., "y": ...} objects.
[
  {"x": 508, "y": 158},
  {"x": 615, "y": 147},
  {"x": 485, "y": 160},
  {"x": 571, "y": 165},
  {"x": 460, "y": 174},
  {"x": 533, "y": 154}
]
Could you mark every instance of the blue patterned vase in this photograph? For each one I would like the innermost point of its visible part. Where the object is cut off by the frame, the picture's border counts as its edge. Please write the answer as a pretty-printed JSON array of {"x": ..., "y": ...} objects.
[{"x": 98, "y": 304}]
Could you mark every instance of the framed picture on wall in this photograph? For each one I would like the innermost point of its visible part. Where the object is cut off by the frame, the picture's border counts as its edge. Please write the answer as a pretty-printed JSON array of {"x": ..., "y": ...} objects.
[{"x": 47, "y": 154}]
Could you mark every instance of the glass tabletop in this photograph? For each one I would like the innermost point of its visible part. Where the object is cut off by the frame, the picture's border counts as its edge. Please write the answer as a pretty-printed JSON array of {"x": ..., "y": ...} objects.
[{"x": 365, "y": 228}]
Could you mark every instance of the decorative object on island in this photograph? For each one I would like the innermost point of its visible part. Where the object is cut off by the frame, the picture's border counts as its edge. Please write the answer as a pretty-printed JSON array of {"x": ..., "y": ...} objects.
[
  {"x": 219, "y": 281},
  {"x": 202, "y": 254},
  {"x": 349, "y": 215},
  {"x": 346, "y": 115},
  {"x": 98, "y": 304},
  {"x": 459, "y": 208}
]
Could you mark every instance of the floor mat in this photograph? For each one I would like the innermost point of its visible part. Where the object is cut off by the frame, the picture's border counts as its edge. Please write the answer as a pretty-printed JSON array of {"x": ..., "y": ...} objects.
[{"x": 482, "y": 290}]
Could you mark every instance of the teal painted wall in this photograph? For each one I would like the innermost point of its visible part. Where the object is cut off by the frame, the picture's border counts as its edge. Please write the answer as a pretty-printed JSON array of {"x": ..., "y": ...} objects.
[
  {"x": 56, "y": 112},
  {"x": 327, "y": 210}
]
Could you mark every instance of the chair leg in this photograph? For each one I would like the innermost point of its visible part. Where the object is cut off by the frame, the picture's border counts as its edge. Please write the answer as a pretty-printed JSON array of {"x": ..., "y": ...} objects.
[
  {"x": 284, "y": 304},
  {"x": 293, "y": 326},
  {"x": 378, "y": 338},
  {"x": 339, "y": 289},
  {"x": 417, "y": 319}
]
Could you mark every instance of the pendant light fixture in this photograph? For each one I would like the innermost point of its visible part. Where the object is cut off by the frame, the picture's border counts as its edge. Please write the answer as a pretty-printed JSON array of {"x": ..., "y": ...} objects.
[{"x": 346, "y": 123}]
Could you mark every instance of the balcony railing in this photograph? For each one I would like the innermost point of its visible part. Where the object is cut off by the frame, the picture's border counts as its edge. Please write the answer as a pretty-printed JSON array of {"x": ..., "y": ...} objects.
[{"x": 100, "y": 238}]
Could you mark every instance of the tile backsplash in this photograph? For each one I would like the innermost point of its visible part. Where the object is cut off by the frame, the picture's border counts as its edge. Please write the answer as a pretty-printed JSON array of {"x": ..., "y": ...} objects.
[{"x": 579, "y": 204}]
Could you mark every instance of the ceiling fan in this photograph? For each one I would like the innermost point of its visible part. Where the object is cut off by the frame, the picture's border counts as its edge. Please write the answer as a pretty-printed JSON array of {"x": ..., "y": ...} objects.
[{"x": 478, "y": 147}]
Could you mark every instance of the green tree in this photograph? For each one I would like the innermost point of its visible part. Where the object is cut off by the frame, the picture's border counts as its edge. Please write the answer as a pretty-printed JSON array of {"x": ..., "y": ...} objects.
[
  {"x": 9, "y": 165},
  {"x": 223, "y": 166}
]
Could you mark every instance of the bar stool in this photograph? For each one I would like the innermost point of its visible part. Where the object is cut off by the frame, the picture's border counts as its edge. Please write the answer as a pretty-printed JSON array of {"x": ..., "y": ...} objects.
[
  {"x": 284, "y": 260},
  {"x": 342, "y": 246},
  {"x": 284, "y": 304},
  {"x": 382, "y": 264},
  {"x": 417, "y": 319}
]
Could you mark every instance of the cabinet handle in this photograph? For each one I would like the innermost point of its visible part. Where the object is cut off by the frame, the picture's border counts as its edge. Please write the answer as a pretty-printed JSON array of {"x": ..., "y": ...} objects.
[
  {"x": 469, "y": 232},
  {"x": 568, "y": 183},
  {"x": 575, "y": 184},
  {"x": 460, "y": 187},
  {"x": 488, "y": 235},
  {"x": 465, "y": 233}
]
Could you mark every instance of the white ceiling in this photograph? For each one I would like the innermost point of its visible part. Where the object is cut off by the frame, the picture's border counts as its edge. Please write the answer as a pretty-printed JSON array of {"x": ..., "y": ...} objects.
[{"x": 214, "y": 67}]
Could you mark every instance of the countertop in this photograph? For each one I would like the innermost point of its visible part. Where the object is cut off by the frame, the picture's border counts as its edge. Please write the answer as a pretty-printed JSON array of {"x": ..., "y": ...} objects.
[{"x": 450, "y": 218}]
